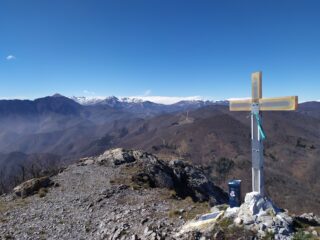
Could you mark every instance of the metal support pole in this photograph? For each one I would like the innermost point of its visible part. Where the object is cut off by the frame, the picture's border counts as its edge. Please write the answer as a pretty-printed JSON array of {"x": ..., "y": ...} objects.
[{"x": 257, "y": 153}]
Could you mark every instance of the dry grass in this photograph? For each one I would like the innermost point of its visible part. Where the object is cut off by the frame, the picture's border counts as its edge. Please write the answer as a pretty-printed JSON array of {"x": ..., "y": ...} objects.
[
  {"x": 126, "y": 180},
  {"x": 300, "y": 235},
  {"x": 17, "y": 203},
  {"x": 5, "y": 206},
  {"x": 126, "y": 177},
  {"x": 225, "y": 223},
  {"x": 303, "y": 227},
  {"x": 42, "y": 192},
  {"x": 174, "y": 213},
  {"x": 190, "y": 208}
]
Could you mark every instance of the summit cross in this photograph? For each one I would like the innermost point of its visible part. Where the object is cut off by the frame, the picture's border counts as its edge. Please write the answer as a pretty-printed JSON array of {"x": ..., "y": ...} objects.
[{"x": 257, "y": 104}]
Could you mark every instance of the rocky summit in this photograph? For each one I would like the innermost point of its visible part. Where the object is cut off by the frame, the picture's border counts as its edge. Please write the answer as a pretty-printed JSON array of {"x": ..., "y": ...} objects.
[
  {"x": 130, "y": 194},
  {"x": 121, "y": 194}
]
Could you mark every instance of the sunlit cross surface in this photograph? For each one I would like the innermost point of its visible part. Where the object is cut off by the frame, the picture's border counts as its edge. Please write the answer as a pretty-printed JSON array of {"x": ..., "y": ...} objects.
[{"x": 257, "y": 104}]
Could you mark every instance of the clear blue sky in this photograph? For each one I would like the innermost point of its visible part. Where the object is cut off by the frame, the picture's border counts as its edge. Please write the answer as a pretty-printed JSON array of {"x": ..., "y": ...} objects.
[{"x": 162, "y": 47}]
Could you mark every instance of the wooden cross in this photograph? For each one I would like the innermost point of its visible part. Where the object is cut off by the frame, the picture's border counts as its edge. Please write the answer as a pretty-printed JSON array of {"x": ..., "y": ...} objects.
[{"x": 255, "y": 105}]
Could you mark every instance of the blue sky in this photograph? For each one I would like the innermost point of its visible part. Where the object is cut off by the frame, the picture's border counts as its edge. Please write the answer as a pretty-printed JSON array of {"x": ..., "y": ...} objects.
[{"x": 163, "y": 48}]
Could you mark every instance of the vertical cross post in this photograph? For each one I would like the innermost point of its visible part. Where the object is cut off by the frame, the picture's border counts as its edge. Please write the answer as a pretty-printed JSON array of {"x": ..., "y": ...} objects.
[
  {"x": 256, "y": 141},
  {"x": 257, "y": 104}
]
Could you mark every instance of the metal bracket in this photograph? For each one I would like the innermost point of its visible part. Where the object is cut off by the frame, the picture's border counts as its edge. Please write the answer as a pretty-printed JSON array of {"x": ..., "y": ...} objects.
[
  {"x": 255, "y": 108},
  {"x": 257, "y": 161}
]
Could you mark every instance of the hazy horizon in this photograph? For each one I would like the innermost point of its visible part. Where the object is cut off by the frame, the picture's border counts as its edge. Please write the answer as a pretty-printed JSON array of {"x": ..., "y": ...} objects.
[{"x": 167, "y": 100}]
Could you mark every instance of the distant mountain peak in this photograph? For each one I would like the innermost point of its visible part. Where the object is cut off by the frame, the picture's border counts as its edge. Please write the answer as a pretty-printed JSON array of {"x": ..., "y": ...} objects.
[
  {"x": 112, "y": 98},
  {"x": 131, "y": 100},
  {"x": 88, "y": 100},
  {"x": 57, "y": 95}
]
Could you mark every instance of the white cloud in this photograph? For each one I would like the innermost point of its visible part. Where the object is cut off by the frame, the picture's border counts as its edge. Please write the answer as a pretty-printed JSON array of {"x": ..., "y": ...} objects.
[
  {"x": 236, "y": 99},
  {"x": 10, "y": 57},
  {"x": 14, "y": 98},
  {"x": 166, "y": 99},
  {"x": 88, "y": 92}
]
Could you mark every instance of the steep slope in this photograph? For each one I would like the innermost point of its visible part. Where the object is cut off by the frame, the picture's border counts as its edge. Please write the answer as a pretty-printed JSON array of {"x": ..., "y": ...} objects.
[
  {"x": 48, "y": 126},
  {"x": 310, "y": 109},
  {"x": 17, "y": 167},
  {"x": 51, "y": 124}
]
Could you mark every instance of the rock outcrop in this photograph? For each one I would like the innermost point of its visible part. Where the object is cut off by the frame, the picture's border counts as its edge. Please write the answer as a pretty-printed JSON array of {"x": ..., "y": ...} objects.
[
  {"x": 32, "y": 186},
  {"x": 185, "y": 179}
]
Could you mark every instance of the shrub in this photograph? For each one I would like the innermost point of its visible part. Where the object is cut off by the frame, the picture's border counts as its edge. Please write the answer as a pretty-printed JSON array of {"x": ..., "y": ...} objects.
[
  {"x": 224, "y": 165},
  {"x": 300, "y": 143},
  {"x": 173, "y": 213},
  {"x": 268, "y": 236},
  {"x": 42, "y": 192},
  {"x": 300, "y": 235}
]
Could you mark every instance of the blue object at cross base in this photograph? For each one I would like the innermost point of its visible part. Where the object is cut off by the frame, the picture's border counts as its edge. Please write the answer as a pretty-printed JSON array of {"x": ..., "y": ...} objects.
[{"x": 234, "y": 193}]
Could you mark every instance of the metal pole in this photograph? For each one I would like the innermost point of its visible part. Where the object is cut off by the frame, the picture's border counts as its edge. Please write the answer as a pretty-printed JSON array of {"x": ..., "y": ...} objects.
[{"x": 257, "y": 153}]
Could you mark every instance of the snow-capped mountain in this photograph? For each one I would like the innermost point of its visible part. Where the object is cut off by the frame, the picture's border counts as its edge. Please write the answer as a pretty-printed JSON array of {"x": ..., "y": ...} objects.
[
  {"x": 147, "y": 106},
  {"x": 159, "y": 100},
  {"x": 111, "y": 101},
  {"x": 88, "y": 100}
]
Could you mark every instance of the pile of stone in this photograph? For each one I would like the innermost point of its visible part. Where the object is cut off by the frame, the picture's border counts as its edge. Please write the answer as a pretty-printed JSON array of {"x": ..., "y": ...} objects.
[
  {"x": 257, "y": 215},
  {"x": 260, "y": 215}
]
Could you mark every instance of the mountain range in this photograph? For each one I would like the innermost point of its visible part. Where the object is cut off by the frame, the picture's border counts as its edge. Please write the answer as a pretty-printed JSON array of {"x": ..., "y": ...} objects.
[
  {"x": 154, "y": 99},
  {"x": 50, "y": 132}
]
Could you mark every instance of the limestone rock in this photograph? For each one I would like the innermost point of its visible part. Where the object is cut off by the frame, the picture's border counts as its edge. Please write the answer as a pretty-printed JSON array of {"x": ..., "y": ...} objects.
[
  {"x": 258, "y": 213},
  {"x": 231, "y": 212},
  {"x": 309, "y": 218},
  {"x": 117, "y": 156},
  {"x": 31, "y": 186},
  {"x": 185, "y": 179},
  {"x": 238, "y": 221},
  {"x": 255, "y": 204}
]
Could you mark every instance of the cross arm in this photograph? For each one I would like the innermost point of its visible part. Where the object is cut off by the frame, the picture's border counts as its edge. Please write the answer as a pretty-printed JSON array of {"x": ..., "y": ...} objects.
[
  {"x": 279, "y": 104},
  {"x": 240, "y": 105},
  {"x": 266, "y": 104},
  {"x": 256, "y": 83}
]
